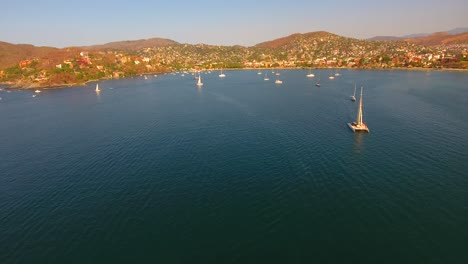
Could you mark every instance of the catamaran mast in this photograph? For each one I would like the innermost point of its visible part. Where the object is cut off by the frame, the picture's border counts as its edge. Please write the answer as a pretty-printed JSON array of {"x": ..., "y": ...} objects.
[{"x": 359, "y": 115}]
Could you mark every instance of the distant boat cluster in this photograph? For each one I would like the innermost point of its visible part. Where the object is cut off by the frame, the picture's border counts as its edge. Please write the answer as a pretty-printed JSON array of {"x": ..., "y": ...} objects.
[{"x": 355, "y": 126}]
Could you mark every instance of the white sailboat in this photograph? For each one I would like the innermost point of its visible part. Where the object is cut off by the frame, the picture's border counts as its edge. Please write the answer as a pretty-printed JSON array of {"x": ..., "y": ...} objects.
[
  {"x": 266, "y": 77},
  {"x": 199, "y": 82},
  {"x": 359, "y": 125},
  {"x": 278, "y": 81},
  {"x": 353, "y": 97},
  {"x": 310, "y": 74},
  {"x": 222, "y": 75},
  {"x": 318, "y": 83},
  {"x": 97, "y": 88}
]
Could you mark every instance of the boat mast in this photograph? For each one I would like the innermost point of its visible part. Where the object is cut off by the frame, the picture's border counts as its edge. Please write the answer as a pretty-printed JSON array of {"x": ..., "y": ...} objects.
[{"x": 359, "y": 115}]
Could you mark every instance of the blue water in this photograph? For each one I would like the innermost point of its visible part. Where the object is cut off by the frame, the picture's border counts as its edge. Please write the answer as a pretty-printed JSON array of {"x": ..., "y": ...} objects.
[{"x": 238, "y": 171}]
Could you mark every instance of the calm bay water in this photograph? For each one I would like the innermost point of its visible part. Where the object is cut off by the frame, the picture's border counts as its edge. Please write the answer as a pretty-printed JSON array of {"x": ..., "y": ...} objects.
[{"x": 238, "y": 171}]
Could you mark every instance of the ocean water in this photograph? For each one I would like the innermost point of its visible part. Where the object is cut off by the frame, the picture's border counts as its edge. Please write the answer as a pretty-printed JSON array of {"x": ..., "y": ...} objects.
[{"x": 238, "y": 171}]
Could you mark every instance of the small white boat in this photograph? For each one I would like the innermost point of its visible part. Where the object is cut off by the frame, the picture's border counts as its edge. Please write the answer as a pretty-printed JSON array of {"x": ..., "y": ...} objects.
[
  {"x": 358, "y": 125},
  {"x": 353, "y": 97},
  {"x": 97, "y": 88},
  {"x": 199, "y": 82},
  {"x": 278, "y": 82},
  {"x": 331, "y": 77},
  {"x": 310, "y": 75},
  {"x": 259, "y": 73},
  {"x": 222, "y": 75},
  {"x": 34, "y": 95},
  {"x": 146, "y": 78},
  {"x": 37, "y": 91},
  {"x": 266, "y": 77}
]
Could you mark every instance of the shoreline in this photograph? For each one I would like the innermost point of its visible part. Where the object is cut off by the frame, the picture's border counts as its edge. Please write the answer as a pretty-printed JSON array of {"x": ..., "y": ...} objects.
[{"x": 31, "y": 86}]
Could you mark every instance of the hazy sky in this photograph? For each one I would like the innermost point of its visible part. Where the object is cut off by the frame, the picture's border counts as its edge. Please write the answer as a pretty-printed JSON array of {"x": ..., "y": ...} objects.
[{"x": 67, "y": 22}]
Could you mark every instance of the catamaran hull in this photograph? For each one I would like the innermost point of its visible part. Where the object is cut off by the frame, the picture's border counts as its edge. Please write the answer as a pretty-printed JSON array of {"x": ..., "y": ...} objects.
[{"x": 356, "y": 128}]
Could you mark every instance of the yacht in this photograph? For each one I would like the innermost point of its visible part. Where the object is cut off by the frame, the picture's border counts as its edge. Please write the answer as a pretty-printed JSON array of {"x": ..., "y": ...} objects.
[{"x": 278, "y": 82}]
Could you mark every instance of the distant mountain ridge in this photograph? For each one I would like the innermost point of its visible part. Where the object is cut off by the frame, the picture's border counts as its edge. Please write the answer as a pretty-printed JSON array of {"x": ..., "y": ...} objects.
[
  {"x": 411, "y": 37},
  {"x": 385, "y": 38},
  {"x": 441, "y": 38},
  {"x": 276, "y": 43},
  {"x": 133, "y": 45}
]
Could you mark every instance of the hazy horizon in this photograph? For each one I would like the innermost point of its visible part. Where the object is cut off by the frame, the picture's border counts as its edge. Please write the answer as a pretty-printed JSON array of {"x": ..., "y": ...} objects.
[{"x": 58, "y": 24}]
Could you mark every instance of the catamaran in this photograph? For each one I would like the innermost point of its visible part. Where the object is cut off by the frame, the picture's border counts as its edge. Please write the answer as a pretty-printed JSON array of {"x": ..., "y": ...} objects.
[
  {"x": 359, "y": 125},
  {"x": 353, "y": 97}
]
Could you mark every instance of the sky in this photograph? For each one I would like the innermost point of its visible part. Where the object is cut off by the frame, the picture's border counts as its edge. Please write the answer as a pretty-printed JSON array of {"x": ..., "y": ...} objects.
[{"x": 67, "y": 23}]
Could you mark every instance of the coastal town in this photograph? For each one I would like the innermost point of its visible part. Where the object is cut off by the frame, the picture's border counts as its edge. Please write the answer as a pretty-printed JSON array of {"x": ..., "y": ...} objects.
[{"x": 72, "y": 66}]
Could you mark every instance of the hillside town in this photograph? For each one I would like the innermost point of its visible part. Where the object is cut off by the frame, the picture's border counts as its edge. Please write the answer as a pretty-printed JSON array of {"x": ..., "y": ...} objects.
[{"x": 311, "y": 50}]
